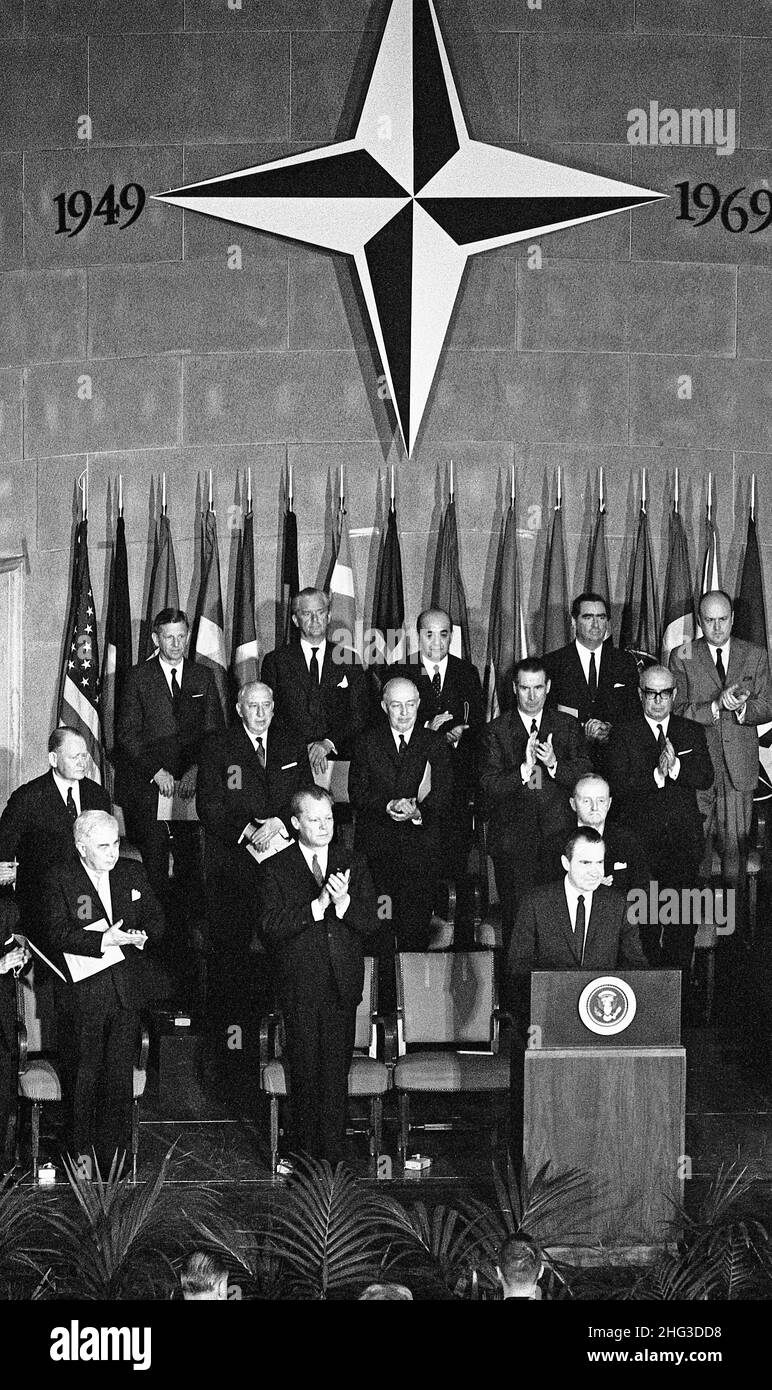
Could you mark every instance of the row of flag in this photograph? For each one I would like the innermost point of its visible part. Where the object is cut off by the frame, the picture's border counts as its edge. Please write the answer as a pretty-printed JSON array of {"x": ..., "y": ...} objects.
[{"x": 89, "y": 697}]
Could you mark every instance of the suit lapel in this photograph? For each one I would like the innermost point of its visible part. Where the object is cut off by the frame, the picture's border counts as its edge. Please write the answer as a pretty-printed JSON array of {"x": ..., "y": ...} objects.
[
  {"x": 565, "y": 922},
  {"x": 91, "y": 893},
  {"x": 708, "y": 664},
  {"x": 161, "y": 681},
  {"x": 55, "y": 802},
  {"x": 737, "y": 660}
]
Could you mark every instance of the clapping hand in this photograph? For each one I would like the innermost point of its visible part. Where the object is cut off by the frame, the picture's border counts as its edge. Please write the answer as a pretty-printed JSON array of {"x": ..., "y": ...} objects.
[{"x": 546, "y": 753}]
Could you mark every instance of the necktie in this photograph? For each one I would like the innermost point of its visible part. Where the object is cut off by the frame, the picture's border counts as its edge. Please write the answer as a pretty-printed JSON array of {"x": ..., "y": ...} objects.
[
  {"x": 437, "y": 686},
  {"x": 720, "y": 665},
  {"x": 534, "y": 727},
  {"x": 402, "y": 750},
  {"x": 260, "y": 750},
  {"x": 71, "y": 807},
  {"x": 579, "y": 924},
  {"x": 593, "y": 677},
  {"x": 314, "y": 698},
  {"x": 661, "y": 740},
  {"x": 316, "y": 870},
  {"x": 175, "y": 690}
]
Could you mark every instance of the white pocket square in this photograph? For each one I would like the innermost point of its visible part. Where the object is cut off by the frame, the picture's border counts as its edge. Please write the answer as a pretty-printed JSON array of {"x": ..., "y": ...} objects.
[
  {"x": 135, "y": 895},
  {"x": 682, "y": 751},
  {"x": 285, "y": 766},
  {"x": 342, "y": 685},
  {"x": 197, "y": 695},
  {"x": 619, "y": 685},
  {"x": 619, "y": 866}
]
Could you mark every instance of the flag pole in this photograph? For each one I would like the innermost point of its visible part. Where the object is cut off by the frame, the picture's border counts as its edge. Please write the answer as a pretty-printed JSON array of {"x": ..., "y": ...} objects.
[
  {"x": 512, "y": 486},
  {"x": 120, "y": 494},
  {"x": 601, "y": 502},
  {"x": 451, "y": 480},
  {"x": 249, "y": 489},
  {"x": 675, "y": 493},
  {"x": 753, "y": 496},
  {"x": 289, "y": 487},
  {"x": 710, "y": 495},
  {"x": 210, "y": 491},
  {"x": 559, "y": 502},
  {"x": 643, "y": 491},
  {"x": 391, "y": 505},
  {"x": 163, "y": 494}
]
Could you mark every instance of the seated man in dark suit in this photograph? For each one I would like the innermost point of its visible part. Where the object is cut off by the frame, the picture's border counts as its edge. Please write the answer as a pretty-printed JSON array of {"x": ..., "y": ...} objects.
[
  {"x": 247, "y": 778},
  {"x": 13, "y": 957},
  {"x": 451, "y": 699},
  {"x": 657, "y": 763},
  {"x": 93, "y": 903},
  {"x": 590, "y": 678},
  {"x": 317, "y": 905},
  {"x": 36, "y": 825},
  {"x": 401, "y": 784},
  {"x": 530, "y": 760},
  {"x": 169, "y": 708},
  {"x": 626, "y": 863},
  {"x": 319, "y": 687}
]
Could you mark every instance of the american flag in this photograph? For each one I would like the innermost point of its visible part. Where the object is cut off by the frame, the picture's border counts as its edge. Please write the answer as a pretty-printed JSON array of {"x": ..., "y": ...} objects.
[{"x": 79, "y": 685}]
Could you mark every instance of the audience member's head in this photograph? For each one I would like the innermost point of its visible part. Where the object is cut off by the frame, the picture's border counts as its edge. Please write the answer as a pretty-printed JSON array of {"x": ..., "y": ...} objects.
[
  {"x": 68, "y": 754},
  {"x": 310, "y": 614},
  {"x": 591, "y": 620},
  {"x": 591, "y": 800},
  {"x": 254, "y": 704},
  {"x": 400, "y": 701},
  {"x": 716, "y": 616},
  {"x": 97, "y": 840},
  {"x": 170, "y": 633},
  {"x": 530, "y": 684},
  {"x": 312, "y": 816},
  {"x": 203, "y": 1277},
  {"x": 435, "y": 632},
  {"x": 385, "y": 1292},
  {"x": 520, "y": 1267},
  {"x": 656, "y": 687}
]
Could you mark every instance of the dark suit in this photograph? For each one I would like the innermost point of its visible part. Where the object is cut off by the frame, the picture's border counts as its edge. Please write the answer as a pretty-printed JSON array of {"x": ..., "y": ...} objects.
[
  {"x": 522, "y": 817},
  {"x": 405, "y": 859},
  {"x": 667, "y": 820},
  {"x": 36, "y": 829},
  {"x": 338, "y": 710},
  {"x": 544, "y": 939},
  {"x": 626, "y": 861},
  {"x": 617, "y": 693},
  {"x": 319, "y": 973},
  {"x": 105, "y": 1006},
  {"x": 151, "y": 735},
  {"x": 734, "y": 746},
  {"x": 233, "y": 790}
]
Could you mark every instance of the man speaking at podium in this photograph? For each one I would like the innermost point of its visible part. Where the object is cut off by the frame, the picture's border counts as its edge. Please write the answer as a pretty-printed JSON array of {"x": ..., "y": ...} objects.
[{"x": 578, "y": 924}]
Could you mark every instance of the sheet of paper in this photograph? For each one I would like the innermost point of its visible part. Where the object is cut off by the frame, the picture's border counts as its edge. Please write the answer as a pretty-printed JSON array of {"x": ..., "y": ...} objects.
[
  {"x": 176, "y": 807},
  {"x": 81, "y": 967},
  {"x": 566, "y": 709},
  {"x": 279, "y": 842},
  {"x": 425, "y": 785},
  {"x": 335, "y": 779}
]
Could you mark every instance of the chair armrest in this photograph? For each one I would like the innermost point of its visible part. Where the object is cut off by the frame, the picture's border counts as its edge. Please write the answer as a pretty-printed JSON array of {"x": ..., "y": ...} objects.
[
  {"x": 144, "y": 1046},
  {"x": 270, "y": 1030},
  {"x": 21, "y": 1027},
  {"x": 761, "y": 828},
  {"x": 449, "y": 884}
]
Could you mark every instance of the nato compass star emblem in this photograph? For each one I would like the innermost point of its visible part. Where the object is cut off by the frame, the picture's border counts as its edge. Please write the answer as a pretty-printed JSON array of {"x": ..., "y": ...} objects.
[{"x": 411, "y": 197}]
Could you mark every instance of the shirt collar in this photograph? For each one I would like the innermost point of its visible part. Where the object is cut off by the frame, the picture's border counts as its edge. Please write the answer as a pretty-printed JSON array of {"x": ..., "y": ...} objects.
[
  {"x": 528, "y": 719},
  {"x": 429, "y": 666},
  {"x": 321, "y": 852},
  {"x": 396, "y": 735},
  {"x": 653, "y": 724},
  {"x": 309, "y": 647},
  {"x": 63, "y": 784},
  {"x": 171, "y": 665},
  {"x": 571, "y": 898},
  {"x": 724, "y": 649},
  {"x": 254, "y": 737}
]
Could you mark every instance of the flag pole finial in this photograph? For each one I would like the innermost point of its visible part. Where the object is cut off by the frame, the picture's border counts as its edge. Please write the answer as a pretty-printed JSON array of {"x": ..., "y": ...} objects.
[
  {"x": 601, "y": 499},
  {"x": 675, "y": 492},
  {"x": 290, "y": 493},
  {"x": 643, "y": 490},
  {"x": 512, "y": 485},
  {"x": 163, "y": 494},
  {"x": 249, "y": 488},
  {"x": 753, "y": 496},
  {"x": 391, "y": 500},
  {"x": 559, "y": 502},
  {"x": 451, "y": 480},
  {"x": 210, "y": 489},
  {"x": 710, "y": 495},
  {"x": 120, "y": 494}
]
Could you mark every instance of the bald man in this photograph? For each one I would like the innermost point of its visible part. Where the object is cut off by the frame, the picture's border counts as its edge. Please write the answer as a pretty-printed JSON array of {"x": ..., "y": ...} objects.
[
  {"x": 247, "y": 778},
  {"x": 401, "y": 785},
  {"x": 626, "y": 863}
]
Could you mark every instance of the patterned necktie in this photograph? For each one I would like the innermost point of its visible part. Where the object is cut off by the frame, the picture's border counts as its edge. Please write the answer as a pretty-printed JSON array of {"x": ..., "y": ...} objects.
[
  {"x": 721, "y": 669},
  {"x": 175, "y": 690},
  {"x": 402, "y": 750},
  {"x": 71, "y": 807},
  {"x": 437, "y": 686},
  {"x": 661, "y": 740},
  {"x": 534, "y": 727},
  {"x": 316, "y": 870},
  {"x": 260, "y": 750},
  {"x": 579, "y": 924},
  {"x": 593, "y": 678}
]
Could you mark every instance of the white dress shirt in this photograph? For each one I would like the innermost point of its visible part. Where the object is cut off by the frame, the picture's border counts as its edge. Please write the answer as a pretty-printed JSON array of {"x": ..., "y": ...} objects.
[
  {"x": 322, "y": 856},
  {"x": 584, "y": 655},
  {"x": 64, "y": 786},
  {"x": 308, "y": 647},
  {"x": 572, "y": 896},
  {"x": 673, "y": 772},
  {"x": 442, "y": 667},
  {"x": 168, "y": 666},
  {"x": 101, "y": 883}
]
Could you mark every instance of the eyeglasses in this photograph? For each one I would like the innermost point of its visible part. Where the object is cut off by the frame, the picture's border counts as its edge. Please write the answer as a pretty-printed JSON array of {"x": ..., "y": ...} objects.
[{"x": 658, "y": 694}]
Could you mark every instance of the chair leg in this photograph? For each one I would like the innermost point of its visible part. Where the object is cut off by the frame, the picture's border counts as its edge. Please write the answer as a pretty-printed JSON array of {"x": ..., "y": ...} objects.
[
  {"x": 404, "y": 1124},
  {"x": 274, "y": 1132},
  {"x": 710, "y": 983},
  {"x": 752, "y": 904},
  {"x": 134, "y": 1140},
  {"x": 35, "y": 1138},
  {"x": 376, "y": 1125}
]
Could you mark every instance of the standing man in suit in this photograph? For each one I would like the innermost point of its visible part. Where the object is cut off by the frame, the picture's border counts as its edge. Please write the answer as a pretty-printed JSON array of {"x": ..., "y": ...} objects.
[
  {"x": 169, "y": 708},
  {"x": 317, "y": 905},
  {"x": 530, "y": 761},
  {"x": 319, "y": 688},
  {"x": 626, "y": 863},
  {"x": 451, "y": 703},
  {"x": 658, "y": 763},
  {"x": 92, "y": 903},
  {"x": 724, "y": 684},
  {"x": 36, "y": 825},
  {"x": 401, "y": 785},
  {"x": 592, "y": 678},
  {"x": 247, "y": 778}
]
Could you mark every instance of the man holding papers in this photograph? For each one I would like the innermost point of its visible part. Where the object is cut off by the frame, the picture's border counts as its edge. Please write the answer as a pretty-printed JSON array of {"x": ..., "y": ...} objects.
[
  {"x": 401, "y": 783},
  {"x": 100, "y": 912}
]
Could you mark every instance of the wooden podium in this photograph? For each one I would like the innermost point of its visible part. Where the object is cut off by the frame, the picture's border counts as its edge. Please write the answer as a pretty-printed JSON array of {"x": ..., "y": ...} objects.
[{"x": 604, "y": 1091}]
